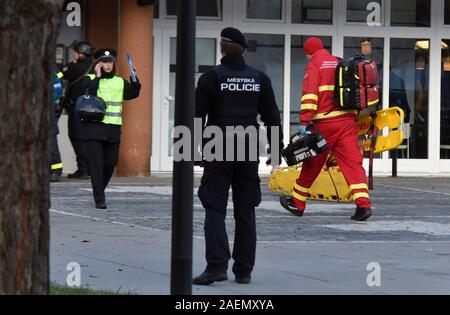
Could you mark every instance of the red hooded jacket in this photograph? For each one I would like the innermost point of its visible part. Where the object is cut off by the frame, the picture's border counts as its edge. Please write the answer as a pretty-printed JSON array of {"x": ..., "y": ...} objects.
[{"x": 318, "y": 90}]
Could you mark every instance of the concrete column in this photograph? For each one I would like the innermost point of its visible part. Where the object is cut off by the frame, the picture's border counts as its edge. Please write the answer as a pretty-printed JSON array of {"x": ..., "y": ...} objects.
[
  {"x": 102, "y": 23},
  {"x": 136, "y": 37}
]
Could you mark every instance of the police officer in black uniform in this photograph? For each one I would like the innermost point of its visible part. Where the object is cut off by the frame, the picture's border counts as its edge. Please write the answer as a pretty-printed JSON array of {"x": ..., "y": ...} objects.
[
  {"x": 233, "y": 94},
  {"x": 74, "y": 72}
]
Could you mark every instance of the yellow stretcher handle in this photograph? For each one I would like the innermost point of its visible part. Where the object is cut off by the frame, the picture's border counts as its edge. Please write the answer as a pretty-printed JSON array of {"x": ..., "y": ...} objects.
[{"x": 391, "y": 118}]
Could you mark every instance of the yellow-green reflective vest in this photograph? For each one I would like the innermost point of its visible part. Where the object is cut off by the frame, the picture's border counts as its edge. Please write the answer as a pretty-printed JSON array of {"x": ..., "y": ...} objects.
[{"x": 111, "y": 91}]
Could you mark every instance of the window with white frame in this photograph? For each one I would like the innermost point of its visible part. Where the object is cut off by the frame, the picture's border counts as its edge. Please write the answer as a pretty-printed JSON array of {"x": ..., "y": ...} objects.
[
  {"x": 359, "y": 10},
  {"x": 298, "y": 66},
  {"x": 447, "y": 12},
  {"x": 445, "y": 100},
  {"x": 371, "y": 48},
  {"x": 411, "y": 13},
  {"x": 206, "y": 9},
  {"x": 264, "y": 9},
  {"x": 156, "y": 9},
  {"x": 409, "y": 75},
  {"x": 312, "y": 11},
  {"x": 266, "y": 53}
]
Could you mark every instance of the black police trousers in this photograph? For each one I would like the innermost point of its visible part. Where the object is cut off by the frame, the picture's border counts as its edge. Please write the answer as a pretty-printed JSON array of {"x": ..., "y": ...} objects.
[
  {"x": 102, "y": 158},
  {"x": 213, "y": 193},
  {"x": 74, "y": 129}
]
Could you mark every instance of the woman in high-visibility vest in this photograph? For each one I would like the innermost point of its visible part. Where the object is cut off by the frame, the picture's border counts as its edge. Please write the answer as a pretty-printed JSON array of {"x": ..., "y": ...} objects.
[{"x": 101, "y": 140}]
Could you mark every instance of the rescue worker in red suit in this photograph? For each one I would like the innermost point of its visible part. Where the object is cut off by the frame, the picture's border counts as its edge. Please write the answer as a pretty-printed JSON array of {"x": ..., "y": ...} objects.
[{"x": 320, "y": 113}]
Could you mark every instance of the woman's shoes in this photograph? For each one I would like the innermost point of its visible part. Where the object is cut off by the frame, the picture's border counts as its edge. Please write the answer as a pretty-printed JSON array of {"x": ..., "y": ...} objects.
[
  {"x": 78, "y": 175},
  {"x": 101, "y": 205}
]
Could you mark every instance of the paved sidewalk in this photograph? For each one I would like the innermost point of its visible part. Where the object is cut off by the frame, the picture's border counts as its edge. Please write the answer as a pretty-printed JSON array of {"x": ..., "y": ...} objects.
[{"x": 127, "y": 247}]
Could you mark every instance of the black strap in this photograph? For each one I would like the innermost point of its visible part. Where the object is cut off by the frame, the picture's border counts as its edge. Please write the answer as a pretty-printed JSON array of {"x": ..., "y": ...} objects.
[
  {"x": 71, "y": 84},
  {"x": 337, "y": 86},
  {"x": 81, "y": 77}
]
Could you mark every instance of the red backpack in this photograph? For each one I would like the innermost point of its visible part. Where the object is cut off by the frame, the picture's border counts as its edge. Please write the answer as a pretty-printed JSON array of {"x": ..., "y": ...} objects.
[{"x": 356, "y": 83}]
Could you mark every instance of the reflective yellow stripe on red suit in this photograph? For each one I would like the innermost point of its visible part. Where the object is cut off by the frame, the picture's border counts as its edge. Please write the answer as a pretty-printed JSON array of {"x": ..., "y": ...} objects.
[
  {"x": 333, "y": 114},
  {"x": 309, "y": 102},
  {"x": 300, "y": 193},
  {"x": 360, "y": 191}
]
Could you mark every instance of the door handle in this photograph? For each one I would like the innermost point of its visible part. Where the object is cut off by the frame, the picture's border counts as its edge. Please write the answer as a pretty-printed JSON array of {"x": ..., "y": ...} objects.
[{"x": 167, "y": 100}]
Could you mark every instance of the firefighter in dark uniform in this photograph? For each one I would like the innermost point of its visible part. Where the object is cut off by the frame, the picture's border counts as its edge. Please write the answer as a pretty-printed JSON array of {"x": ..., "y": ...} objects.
[
  {"x": 101, "y": 140},
  {"x": 74, "y": 73},
  {"x": 56, "y": 165},
  {"x": 231, "y": 95}
]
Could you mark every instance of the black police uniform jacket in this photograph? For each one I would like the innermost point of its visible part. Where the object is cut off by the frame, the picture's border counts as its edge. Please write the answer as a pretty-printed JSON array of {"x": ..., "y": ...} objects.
[
  {"x": 74, "y": 73},
  {"x": 234, "y": 94}
]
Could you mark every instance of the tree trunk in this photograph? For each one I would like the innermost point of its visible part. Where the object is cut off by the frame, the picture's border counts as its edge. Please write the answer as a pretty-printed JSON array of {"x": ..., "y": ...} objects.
[{"x": 28, "y": 32}]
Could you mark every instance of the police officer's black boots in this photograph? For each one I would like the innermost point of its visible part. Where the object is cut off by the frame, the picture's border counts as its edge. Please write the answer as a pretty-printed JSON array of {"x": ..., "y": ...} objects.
[
  {"x": 243, "y": 279},
  {"x": 362, "y": 214},
  {"x": 207, "y": 278}
]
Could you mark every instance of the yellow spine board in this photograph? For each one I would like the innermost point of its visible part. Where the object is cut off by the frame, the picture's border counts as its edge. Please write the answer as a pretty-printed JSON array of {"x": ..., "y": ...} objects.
[
  {"x": 390, "y": 119},
  {"x": 282, "y": 182}
]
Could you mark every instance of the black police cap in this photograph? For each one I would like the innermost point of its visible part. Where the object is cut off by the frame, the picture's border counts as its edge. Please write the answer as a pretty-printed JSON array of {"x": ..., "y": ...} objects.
[
  {"x": 83, "y": 47},
  {"x": 233, "y": 35},
  {"x": 105, "y": 53}
]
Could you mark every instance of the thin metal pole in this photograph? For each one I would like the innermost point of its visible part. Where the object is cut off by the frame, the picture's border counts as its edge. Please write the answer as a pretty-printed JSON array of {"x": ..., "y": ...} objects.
[
  {"x": 183, "y": 171},
  {"x": 394, "y": 163}
]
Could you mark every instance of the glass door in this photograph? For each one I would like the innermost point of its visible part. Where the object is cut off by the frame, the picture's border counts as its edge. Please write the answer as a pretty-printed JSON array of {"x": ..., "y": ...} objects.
[
  {"x": 207, "y": 56},
  {"x": 266, "y": 53},
  {"x": 444, "y": 146}
]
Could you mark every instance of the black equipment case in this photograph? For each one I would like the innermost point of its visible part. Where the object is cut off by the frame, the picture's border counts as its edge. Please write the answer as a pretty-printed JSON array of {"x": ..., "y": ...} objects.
[{"x": 302, "y": 147}]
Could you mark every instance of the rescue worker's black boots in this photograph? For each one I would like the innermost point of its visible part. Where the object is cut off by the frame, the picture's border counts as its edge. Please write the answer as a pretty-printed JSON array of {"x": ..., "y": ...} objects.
[
  {"x": 289, "y": 204},
  {"x": 362, "y": 214},
  {"x": 208, "y": 277}
]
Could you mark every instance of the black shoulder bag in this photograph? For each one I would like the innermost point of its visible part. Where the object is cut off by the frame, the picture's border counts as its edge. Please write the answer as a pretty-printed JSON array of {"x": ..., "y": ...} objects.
[{"x": 90, "y": 108}]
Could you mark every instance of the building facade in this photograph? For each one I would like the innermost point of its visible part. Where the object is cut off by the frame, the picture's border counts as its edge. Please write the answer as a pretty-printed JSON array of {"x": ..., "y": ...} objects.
[{"x": 408, "y": 39}]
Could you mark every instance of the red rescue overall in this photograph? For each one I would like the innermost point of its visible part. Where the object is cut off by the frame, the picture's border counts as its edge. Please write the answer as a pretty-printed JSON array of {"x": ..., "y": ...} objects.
[{"x": 337, "y": 126}]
